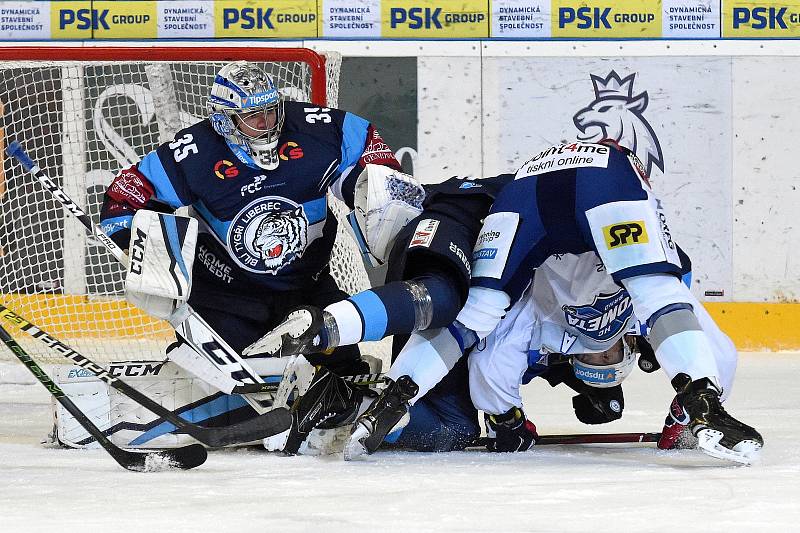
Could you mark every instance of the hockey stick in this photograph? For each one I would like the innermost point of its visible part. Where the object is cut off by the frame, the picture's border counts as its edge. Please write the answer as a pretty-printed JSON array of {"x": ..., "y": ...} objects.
[
  {"x": 360, "y": 379},
  {"x": 262, "y": 426},
  {"x": 185, "y": 457},
  {"x": 212, "y": 355},
  {"x": 584, "y": 438}
]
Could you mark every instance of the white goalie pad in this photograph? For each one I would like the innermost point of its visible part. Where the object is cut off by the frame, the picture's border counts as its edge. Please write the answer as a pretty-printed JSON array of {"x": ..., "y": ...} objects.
[
  {"x": 127, "y": 423},
  {"x": 385, "y": 201},
  {"x": 161, "y": 254}
]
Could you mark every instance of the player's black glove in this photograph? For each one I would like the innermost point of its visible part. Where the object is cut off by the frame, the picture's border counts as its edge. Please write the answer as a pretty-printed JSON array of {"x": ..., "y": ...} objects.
[
  {"x": 598, "y": 406},
  {"x": 510, "y": 432}
]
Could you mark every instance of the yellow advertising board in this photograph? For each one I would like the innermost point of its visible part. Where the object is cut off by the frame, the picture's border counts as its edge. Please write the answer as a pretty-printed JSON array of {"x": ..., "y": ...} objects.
[
  {"x": 72, "y": 20},
  {"x": 425, "y": 19},
  {"x": 761, "y": 20},
  {"x": 122, "y": 20},
  {"x": 606, "y": 19},
  {"x": 278, "y": 19}
]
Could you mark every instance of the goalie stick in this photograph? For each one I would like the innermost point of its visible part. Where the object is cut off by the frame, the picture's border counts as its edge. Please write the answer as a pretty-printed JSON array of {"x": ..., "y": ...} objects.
[
  {"x": 584, "y": 438},
  {"x": 262, "y": 426},
  {"x": 185, "y": 457},
  {"x": 211, "y": 354}
]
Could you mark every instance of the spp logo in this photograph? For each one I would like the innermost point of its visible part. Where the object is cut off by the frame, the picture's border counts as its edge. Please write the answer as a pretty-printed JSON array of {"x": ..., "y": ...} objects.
[
  {"x": 290, "y": 150},
  {"x": 225, "y": 169},
  {"x": 596, "y": 18},
  {"x": 96, "y": 19},
  {"x": 625, "y": 234},
  {"x": 762, "y": 18},
  {"x": 416, "y": 18},
  {"x": 260, "y": 18}
]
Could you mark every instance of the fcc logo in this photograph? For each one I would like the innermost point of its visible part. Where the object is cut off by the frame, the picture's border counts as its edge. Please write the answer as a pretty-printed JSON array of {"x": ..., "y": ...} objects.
[{"x": 625, "y": 234}]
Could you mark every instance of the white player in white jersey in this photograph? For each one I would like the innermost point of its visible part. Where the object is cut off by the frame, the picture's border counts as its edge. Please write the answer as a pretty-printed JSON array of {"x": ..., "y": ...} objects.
[{"x": 594, "y": 200}]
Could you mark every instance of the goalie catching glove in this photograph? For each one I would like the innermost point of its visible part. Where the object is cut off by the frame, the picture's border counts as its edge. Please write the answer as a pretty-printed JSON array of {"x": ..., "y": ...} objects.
[
  {"x": 385, "y": 201},
  {"x": 161, "y": 255}
]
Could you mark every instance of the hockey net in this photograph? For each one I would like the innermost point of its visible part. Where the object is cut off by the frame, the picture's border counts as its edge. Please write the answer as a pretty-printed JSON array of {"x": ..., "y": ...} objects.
[{"x": 82, "y": 114}]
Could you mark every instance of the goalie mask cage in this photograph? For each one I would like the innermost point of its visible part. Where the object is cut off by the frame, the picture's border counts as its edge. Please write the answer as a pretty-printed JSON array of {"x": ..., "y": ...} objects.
[{"x": 83, "y": 114}]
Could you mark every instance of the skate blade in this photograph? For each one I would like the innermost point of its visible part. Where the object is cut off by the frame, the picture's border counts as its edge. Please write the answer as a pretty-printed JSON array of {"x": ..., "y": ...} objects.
[
  {"x": 355, "y": 447},
  {"x": 270, "y": 344},
  {"x": 745, "y": 452}
]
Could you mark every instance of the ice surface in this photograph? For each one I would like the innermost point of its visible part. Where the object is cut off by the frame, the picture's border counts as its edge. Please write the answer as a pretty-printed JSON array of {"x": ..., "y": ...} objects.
[{"x": 554, "y": 488}]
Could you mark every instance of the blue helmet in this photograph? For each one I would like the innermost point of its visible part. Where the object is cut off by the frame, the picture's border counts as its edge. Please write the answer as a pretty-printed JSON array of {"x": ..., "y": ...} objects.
[{"x": 246, "y": 108}]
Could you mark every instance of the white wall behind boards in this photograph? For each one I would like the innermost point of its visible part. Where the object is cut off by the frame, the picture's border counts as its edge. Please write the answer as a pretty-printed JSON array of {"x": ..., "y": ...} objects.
[{"x": 723, "y": 116}]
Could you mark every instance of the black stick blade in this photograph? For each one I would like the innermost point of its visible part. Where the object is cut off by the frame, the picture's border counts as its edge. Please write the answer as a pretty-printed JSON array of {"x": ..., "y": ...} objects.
[
  {"x": 263, "y": 426},
  {"x": 183, "y": 458}
]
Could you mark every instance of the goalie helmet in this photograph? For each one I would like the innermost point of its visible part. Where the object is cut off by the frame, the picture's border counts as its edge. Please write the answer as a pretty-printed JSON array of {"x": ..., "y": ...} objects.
[
  {"x": 607, "y": 368},
  {"x": 247, "y": 110}
]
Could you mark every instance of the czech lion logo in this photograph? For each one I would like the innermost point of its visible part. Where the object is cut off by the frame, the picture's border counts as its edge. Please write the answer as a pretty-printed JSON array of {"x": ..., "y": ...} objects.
[
  {"x": 618, "y": 115},
  {"x": 268, "y": 234}
]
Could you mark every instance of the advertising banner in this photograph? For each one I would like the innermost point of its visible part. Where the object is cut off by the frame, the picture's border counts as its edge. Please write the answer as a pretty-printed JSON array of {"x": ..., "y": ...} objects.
[
  {"x": 686, "y": 19},
  {"x": 425, "y": 19},
  {"x": 278, "y": 19},
  {"x": 25, "y": 20},
  {"x": 71, "y": 20},
  {"x": 185, "y": 19},
  {"x": 521, "y": 19},
  {"x": 762, "y": 20},
  {"x": 348, "y": 19},
  {"x": 606, "y": 19}
]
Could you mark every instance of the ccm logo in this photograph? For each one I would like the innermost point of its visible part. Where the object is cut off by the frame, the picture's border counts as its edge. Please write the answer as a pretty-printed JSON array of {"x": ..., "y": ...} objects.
[
  {"x": 625, "y": 234},
  {"x": 137, "y": 252}
]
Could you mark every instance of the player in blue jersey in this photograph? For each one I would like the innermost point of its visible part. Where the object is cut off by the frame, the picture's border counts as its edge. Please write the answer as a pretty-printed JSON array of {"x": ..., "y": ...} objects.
[
  {"x": 255, "y": 173},
  {"x": 427, "y": 283},
  {"x": 594, "y": 200}
]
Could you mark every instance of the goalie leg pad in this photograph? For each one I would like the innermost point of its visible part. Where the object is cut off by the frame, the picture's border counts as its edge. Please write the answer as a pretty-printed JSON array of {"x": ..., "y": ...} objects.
[{"x": 161, "y": 251}]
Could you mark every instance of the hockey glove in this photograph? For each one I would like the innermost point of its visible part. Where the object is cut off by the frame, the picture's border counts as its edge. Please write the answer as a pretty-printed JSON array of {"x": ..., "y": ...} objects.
[
  {"x": 510, "y": 432},
  {"x": 599, "y": 406}
]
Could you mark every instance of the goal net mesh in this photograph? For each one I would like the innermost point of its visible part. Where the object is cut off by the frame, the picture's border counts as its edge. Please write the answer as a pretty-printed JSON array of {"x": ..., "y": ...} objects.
[{"x": 83, "y": 121}]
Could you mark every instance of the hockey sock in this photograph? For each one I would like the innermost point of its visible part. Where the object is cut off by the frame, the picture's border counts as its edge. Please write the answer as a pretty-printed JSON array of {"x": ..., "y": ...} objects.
[{"x": 399, "y": 307}]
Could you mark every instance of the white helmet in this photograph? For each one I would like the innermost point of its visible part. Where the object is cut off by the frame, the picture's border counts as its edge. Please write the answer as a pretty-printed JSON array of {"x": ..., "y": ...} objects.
[
  {"x": 617, "y": 364},
  {"x": 247, "y": 110}
]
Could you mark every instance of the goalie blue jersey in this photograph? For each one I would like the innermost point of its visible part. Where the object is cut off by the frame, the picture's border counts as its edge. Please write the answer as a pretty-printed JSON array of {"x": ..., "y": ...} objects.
[{"x": 268, "y": 228}]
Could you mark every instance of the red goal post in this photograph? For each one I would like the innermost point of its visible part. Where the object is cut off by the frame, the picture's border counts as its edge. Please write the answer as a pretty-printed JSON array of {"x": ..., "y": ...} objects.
[{"x": 83, "y": 113}]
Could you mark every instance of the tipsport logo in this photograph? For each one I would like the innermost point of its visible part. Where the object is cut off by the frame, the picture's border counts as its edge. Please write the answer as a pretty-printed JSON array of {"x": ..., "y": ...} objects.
[
  {"x": 260, "y": 99},
  {"x": 616, "y": 114}
]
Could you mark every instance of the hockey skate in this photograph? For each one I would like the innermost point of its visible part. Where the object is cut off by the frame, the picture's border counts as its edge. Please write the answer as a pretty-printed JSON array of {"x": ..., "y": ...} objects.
[
  {"x": 329, "y": 401},
  {"x": 303, "y": 332},
  {"x": 718, "y": 433},
  {"x": 387, "y": 413}
]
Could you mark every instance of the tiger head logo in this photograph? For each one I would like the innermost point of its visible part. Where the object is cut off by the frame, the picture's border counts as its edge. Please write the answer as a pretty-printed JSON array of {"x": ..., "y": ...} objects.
[
  {"x": 281, "y": 238},
  {"x": 618, "y": 115},
  {"x": 268, "y": 234}
]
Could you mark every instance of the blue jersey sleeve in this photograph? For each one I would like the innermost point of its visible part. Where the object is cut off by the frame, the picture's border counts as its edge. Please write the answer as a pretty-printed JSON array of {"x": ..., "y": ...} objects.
[{"x": 362, "y": 144}]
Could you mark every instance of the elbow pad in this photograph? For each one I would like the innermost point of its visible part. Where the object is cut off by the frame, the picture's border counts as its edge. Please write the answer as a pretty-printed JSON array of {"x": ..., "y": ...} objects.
[
  {"x": 483, "y": 310},
  {"x": 679, "y": 341}
]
